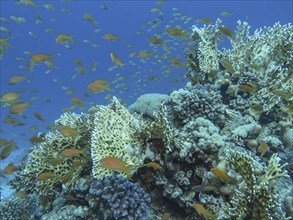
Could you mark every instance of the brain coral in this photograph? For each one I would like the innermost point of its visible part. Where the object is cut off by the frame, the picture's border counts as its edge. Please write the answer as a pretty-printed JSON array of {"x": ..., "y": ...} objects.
[{"x": 113, "y": 131}]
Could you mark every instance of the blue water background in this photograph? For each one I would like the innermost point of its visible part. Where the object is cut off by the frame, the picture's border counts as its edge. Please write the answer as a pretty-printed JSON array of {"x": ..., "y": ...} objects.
[{"x": 122, "y": 18}]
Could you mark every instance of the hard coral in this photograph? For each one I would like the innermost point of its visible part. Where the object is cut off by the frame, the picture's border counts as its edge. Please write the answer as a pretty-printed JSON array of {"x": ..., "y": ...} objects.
[
  {"x": 40, "y": 158},
  {"x": 17, "y": 208},
  {"x": 256, "y": 200},
  {"x": 113, "y": 132},
  {"x": 125, "y": 199}
]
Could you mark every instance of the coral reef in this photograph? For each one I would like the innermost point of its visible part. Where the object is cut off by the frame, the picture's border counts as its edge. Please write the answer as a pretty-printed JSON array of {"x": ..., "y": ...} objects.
[
  {"x": 222, "y": 141},
  {"x": 125, "y": 199}
]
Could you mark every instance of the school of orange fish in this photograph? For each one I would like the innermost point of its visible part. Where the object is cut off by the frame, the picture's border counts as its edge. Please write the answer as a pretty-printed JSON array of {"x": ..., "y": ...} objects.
[{"x": 160, "y": 59}]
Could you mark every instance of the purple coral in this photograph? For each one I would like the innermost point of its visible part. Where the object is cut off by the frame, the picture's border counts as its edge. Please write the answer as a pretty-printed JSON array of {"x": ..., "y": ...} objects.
[{"x": 126, "y": 199}]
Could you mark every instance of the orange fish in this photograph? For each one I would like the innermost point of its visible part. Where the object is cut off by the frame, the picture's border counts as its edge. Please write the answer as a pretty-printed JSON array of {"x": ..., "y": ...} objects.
[
  {"x": 13, "y": 121},
  {"x": 263, "y": 148},
  {"x": 17, "y": 79},
  {"x": 66, "y": 177},
  {"x": 116, "y": 60},
  {"x": 9, "y": 97},
  {"x": 45, "y": 176},
  {"x": 38, "y": 116},
  {"x": 110, "y": 37},
  {"x": 19, "y": 107},
  {"x": 70, "y": 197},
  {"x": 98, "y": 86},
  {"x": 7, "y": 150},
  {"x": 226, "y": 31},
  {"x": 64, "y": 39},
  {"x": 56, "y": 160},
  {"x": 68, "y": 131},
  {"x": 40, "y": 57},
  {"x": 154, "y": 165},
  {"x": 176, "y": 62},
  {"x": 77, "y": 163},
  {"x": 201, "y": 210},
  {"x": 175, "y": 32},
  {"x": 155, "y": 40},
  {"x": 166, "y": 216},
  {"x": 206, "y": 20},
  {"x": 10, "y": 168},
  {"x": 144, "y": 54},
  {"x": 221, "y": 174},
  {"x": 113, "y": 163},
  {"x": 89, "y": 17},
  {"x": 36, "y": 139},
  {"x": 77, "y": 101},
  {"x": 72, "y": 152}
]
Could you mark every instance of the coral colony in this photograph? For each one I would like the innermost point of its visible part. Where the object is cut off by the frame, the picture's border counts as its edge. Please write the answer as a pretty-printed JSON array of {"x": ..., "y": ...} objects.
[{"x": 215, "y": 148}]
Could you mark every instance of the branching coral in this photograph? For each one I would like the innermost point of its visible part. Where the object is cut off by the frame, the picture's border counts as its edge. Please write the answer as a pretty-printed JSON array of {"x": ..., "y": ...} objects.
[
  {"x": 254, "y": 199},
  {"x": 208, "y": 54},
  {"x": 17, "y": 208},
  {"x": 125, "y": 199},
  {"x": 46, "y": 158},
  {"x": 263, "y": 61}
]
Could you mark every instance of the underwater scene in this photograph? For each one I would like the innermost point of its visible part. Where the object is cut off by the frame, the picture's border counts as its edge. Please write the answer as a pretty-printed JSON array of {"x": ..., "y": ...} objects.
[{"x": 146, "y": 110}]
